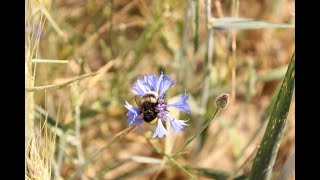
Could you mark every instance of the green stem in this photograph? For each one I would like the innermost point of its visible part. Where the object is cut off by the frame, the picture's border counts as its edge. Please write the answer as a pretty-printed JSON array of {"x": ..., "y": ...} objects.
[
  {"x": 174, "y": 162},
  {"x": 170, "y": 158},
  {"x": 199, "y": 132}
]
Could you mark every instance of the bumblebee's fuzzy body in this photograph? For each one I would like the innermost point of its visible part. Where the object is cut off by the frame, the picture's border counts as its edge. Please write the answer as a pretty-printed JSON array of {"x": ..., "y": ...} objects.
[{"x": 148, "y": 106}]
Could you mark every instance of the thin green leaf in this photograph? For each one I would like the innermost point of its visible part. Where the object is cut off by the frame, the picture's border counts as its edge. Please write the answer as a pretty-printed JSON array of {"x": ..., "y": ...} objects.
[
  {"x": 267, "y": 153},
  {"x": 195, "y": 25},
  {"x": 245, "y": 23}
]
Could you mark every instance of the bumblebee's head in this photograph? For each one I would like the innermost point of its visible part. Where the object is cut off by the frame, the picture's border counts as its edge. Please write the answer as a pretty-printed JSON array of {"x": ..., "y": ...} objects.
[{"x": 152, "y": 95}]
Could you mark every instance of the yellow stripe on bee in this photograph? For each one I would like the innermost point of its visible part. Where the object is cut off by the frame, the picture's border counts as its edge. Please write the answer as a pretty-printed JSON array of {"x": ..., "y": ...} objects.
[
  {"x": 154, "y": 121},
  {"x": 153, "y": 100}
]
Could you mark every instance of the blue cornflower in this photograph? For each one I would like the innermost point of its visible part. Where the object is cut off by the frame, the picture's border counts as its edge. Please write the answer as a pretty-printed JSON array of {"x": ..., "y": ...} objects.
[{"x": 151, "y": 86}]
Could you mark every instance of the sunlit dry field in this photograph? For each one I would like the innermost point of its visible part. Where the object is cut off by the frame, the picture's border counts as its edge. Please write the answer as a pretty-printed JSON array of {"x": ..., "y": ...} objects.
[{"x": 83, "y": 59}]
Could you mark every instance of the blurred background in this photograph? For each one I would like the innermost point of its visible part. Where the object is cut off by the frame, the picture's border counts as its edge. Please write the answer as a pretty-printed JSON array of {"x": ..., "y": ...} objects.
[{"x": 70, "y": 124}]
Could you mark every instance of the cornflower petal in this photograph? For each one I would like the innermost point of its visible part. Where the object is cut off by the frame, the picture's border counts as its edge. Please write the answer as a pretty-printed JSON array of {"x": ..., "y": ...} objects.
[
  {"x": 166, "y": 84},
  {"x": 160, "y": 131},
  {"x": 138, "y": 122},
  {"x": 141, "y": 87},
  {"x": 182, "y": 104},
  {"x": 154, "y": 81},
  {"x": 177, "y": 125},
  {"x": 148, "y": 80},
  {"x": 132, "y": 114},
  {"x": 138, "y": 91}
]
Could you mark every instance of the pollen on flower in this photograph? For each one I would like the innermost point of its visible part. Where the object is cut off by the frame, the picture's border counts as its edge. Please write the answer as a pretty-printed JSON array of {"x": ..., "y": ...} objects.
[{"x": 147, "y": 89}]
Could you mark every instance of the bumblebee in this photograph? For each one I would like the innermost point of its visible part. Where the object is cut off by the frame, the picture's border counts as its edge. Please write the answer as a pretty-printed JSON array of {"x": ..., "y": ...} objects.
[{"x": 147, "y": 105}]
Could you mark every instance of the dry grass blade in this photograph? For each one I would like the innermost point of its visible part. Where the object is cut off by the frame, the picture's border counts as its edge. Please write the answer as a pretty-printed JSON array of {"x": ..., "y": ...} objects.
[
  {"x": 138, "y": 159},
  {"x": 64, "y": 84},
  {"x": 60, "y": 85},
  {"x": 39, "y": 144},
  {"x": 48, "y": 61},
  {"x": 228, "y": 23},
  {"x": 101, "y": 72},
  {"x": 144, "y": 159},
  {"x": 53, "y": 23}
]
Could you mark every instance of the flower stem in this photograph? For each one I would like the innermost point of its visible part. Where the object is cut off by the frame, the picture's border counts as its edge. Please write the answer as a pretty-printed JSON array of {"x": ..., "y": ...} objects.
[
  {"x": 174, "y": 162},
  {"x": 170, "y": 158},
  {"x": 199, "y": 132}
]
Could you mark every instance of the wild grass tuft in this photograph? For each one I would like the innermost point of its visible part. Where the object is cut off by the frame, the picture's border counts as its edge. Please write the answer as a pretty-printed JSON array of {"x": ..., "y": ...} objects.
[{"x": 39, "y": 143}]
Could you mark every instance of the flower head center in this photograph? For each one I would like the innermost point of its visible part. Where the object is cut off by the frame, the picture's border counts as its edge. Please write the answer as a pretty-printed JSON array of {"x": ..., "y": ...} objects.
[{"x": 161, "y": 108}]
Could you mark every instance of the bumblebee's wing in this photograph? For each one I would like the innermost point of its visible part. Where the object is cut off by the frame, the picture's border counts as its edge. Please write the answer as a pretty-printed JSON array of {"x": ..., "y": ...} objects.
[{"x": 138, "y": 101}]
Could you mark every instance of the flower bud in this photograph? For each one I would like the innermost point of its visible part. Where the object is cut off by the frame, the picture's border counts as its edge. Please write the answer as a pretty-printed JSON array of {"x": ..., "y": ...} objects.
[{"x": 222, "y": 101}]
